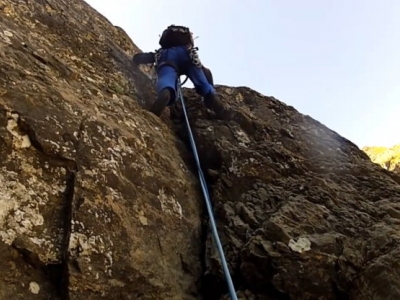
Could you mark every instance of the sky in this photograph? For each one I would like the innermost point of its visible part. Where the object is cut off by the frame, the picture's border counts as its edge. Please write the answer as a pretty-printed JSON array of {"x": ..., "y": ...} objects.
[{"x": 336, "y": 61}]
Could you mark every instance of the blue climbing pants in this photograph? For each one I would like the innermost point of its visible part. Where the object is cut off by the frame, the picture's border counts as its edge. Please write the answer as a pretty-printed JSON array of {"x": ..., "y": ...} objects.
[{"x": 167, "y": 76}]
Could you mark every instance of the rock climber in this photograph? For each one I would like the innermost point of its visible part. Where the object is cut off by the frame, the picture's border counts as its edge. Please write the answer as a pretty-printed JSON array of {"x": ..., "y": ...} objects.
[{"x": 178, "y": 56}]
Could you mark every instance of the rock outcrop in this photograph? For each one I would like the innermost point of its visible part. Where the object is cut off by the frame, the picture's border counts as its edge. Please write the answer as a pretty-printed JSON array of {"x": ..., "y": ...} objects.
[
  {"x": 388, "y": 158},
  {"x": 304, "y": 214},
  {"x": 96, "y": 200},
  {"x": 99, "y": 199}
]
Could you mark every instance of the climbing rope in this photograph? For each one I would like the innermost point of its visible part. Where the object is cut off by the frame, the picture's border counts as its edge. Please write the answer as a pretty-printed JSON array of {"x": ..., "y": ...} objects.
[
  {"x": 214, "y": 230},
  {"x": 186, "y": 79}
]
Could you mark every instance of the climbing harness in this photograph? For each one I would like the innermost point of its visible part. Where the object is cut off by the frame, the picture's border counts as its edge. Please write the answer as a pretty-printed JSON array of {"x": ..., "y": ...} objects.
[
  {"x": 192, "y": 52},
  {"x": 214, "y": 230},
  {"x": 193, "y": 55}
]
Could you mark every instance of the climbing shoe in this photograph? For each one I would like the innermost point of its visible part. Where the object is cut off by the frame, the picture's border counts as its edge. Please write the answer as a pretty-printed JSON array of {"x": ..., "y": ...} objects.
[
  {"x": 213, "y": 102},
  {"x": 162, "y": 101}
]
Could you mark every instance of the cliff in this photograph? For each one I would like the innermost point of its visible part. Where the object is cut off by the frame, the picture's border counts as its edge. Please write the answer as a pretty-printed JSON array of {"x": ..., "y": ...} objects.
[
  {"x": 99, "y": 199},
  {"x": 386, "y": 157}
]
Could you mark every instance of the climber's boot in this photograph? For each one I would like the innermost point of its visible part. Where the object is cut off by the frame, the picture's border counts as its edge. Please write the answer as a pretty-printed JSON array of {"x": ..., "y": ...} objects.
[
  {"x": 162, "y": 101},
  {"x": 213, "y": 102}
]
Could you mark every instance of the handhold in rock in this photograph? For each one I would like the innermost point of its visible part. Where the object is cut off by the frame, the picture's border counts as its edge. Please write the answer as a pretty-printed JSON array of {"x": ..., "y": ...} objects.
[{"x": 301, "y": 245}]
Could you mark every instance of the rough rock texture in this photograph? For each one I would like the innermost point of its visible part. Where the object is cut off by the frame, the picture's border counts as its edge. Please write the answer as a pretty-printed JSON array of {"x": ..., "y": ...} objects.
[
  {"x": 388, "y": 158},
  {"x": 303, "y": 213},
  {"x": 99, "y": 198},
  {"x": 96, "y": 200}
]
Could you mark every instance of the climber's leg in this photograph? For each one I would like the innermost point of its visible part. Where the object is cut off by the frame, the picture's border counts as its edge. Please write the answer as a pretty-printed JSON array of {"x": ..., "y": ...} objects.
[
  {"x": 199, "y": 79},
  {"x": 166, "y": 78},
  {"x": 205, "y": 89},
  {"x": 166, "y": 88},
  {"x": 208, "y": 74}
]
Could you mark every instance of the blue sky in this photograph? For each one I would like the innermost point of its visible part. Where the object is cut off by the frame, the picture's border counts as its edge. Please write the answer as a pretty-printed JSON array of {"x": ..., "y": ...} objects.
[{"x": 337, "y": 61}]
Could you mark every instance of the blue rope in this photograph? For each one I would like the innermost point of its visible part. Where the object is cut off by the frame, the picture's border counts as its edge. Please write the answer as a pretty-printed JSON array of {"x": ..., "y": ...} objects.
[{"x": 231, "y": 287}]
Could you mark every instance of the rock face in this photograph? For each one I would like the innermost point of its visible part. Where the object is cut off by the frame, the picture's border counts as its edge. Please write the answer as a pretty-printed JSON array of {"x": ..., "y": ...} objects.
[
  {"x": 304, "y": 214},
  {"x": 388, "y": 158},
  {"x": 96, "y": 201},
  {"x": 99, "y": 198}
]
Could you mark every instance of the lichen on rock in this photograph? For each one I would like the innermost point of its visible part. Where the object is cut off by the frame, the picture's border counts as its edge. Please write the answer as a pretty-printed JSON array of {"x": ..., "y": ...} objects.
[
  {"x": 99, "y": 199},
  {"x": 303, "y": 212},
  {"x": 93, "y": 189}
]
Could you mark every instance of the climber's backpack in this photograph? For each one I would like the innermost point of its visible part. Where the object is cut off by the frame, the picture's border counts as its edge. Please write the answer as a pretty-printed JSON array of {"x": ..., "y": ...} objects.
[{"x": 175, "y": 36}]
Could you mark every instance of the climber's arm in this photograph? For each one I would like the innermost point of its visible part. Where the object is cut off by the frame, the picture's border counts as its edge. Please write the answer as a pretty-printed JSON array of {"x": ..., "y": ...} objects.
[{"x": 143, "y": 58}]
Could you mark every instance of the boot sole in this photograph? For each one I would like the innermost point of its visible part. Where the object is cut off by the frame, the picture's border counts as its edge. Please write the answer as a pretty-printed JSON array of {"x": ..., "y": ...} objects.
[{"x": 161, "y": 103}]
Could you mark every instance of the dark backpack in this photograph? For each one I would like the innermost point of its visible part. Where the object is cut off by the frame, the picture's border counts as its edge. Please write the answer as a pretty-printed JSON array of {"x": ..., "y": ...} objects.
[{"x": 175, "y": 36}]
